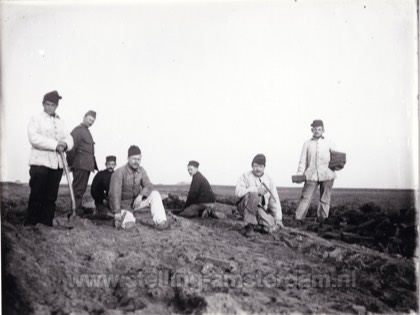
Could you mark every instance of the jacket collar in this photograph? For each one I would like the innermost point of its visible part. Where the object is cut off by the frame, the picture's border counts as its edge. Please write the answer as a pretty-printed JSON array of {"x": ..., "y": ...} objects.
[
  {"x": 44, "y": 114},
  {"x": 315, "y": 139},
  {"x": 130, "y": 170}
]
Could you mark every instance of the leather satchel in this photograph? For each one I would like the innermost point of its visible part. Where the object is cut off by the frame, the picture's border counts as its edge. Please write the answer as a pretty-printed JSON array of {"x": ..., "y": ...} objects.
[
  {"x": 337, "y": 160},
  {"x": 298, "y": 179}
]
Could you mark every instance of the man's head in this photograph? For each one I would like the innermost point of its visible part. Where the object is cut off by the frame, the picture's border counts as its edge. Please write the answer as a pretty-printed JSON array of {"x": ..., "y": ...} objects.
[
  {"x": 134, "y": 157},
  {"x": 50, "y": 102},
  {"x": 193, "y": 167},
  {"x": 89, "y": 118},
  {"x": 258, "y": 165},
  {"x": 111, "y": 163},
  {"x": 317, "y": 128}
]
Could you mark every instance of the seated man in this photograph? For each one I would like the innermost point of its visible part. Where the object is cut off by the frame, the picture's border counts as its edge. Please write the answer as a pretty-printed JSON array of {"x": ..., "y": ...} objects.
[
  {"x": 131, "y": 190},
  {"x": 259, "y": 203},
  {"x": 200, "y": 198},
  {"x": 100, "y": 186}
]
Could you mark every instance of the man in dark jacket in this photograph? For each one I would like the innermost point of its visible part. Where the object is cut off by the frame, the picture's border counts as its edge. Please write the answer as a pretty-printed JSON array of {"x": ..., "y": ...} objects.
[
  {"x": 81, "y": 158},
  {"x": 201, "y": 199},
  {"x": 100, "y": 186}
]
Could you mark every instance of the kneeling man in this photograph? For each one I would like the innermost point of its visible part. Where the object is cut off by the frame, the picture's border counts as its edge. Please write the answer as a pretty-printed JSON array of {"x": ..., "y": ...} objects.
[
  {"x": 200, "y": 198},
  {"x": 100, "y": 186},
  {"x": 259, "y": 203},
  {"x": 131, "y": 190}
]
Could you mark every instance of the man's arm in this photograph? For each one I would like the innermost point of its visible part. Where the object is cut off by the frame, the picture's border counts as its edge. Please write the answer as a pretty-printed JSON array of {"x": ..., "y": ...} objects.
[
  {"x": 146, "y": 184},
  {"x": 193, "y": 192},
  {"x": 96, "y": 189},
  {"x": 115, "y": 189},
  {"x": 303, "y": 160},
  {"x": 68, "y": 139},
  {"x": 77, "y": 138},
  {"x": 274, "y": 203},
  {"x": 242, "y": 187},
  {"x": 37, "y": 139},
  {"x": 333, "y": 147}
]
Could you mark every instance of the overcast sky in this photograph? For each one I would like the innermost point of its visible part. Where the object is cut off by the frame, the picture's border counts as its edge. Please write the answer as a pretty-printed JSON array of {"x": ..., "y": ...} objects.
[{"x": 219, "y": 82}]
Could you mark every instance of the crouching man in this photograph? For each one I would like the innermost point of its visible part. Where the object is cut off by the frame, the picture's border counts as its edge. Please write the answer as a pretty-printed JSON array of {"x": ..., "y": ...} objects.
[
  {"x": 259, "y": 203},
  {"x": 131, "y": 190},
  {"x": 201, "y": 199},
  {"x": 100, "y": 186}
]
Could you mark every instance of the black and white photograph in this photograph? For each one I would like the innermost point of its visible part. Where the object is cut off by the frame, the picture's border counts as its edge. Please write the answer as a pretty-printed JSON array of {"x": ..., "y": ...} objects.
[{"x": 209, "y": 157}]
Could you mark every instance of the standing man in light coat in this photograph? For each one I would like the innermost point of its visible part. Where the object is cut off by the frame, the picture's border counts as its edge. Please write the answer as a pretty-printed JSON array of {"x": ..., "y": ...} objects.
[
  {"x": 81, "y": 158},
  {"x": 259, "y": 203},
  {"x": 314, "y": 160},
  {"x": 48, "y": 137}
]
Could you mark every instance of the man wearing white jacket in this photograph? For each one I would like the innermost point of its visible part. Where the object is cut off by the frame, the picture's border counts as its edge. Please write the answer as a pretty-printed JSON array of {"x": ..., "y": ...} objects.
[
  {"x": 259, "y": 203},
  {"x": 314, "y": 160},
  {"x": 48, "y": 136}
]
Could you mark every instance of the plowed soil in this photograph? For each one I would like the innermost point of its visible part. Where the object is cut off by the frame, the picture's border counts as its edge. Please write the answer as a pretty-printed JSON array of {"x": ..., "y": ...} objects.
[{"x": 198, "y": 266}]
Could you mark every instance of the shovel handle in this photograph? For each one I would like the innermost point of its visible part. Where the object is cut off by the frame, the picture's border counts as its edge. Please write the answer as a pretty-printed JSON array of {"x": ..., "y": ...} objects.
[
  {"x": 66, "y": 170},
  {"x": 268, "y": 189}
]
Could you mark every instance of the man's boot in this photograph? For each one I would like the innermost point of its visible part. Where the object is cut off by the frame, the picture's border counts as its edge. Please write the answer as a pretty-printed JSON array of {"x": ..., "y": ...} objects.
[{"x": 249, "y": 231}]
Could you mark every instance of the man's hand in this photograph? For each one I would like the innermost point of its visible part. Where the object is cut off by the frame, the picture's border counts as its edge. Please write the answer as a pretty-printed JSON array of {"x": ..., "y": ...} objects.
[
  {"x": 261, "y": 191},
  {"x": 279, "y": 223},
  {"x": 117, "y": 219},
  {"x": 62, "y": 144},
  {"x": 60, "y": 148},
  {"x": 137, "y": 202}
]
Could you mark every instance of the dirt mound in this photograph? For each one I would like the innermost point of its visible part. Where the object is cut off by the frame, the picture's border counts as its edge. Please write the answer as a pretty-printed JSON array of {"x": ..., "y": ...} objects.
[{"x": 199, "y": 266}]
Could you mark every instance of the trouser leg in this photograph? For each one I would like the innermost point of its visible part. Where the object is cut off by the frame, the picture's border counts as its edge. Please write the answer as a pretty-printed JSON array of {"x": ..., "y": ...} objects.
[
  {"x": 305, "y": 200},
  {"x": 213, "y": 213},
  {"x": 193, "y": 210},
  {"x": 102, "y": 209},
  {"x": 80, "y": 181},
  {"x": 324, "y": 201},
  {"x": 54, "y": 178},
  {"x": 248, "y": 208},
  {"x": 265, "y": 218},
  {"x": 38, "y": 184},
  {"x": 156, "y": 206}
]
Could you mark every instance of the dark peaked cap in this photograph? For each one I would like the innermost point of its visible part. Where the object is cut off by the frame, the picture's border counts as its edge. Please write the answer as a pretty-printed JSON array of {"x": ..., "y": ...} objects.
[
  {"x": 133, "y": 150},
  {"x": 111, "y": 158},
  {"x": 259, "y": 159},
  {"x": 52, "y": 97},
  {"x": 193, "y": 163},
  {"x": 317, "y": 123},
  {"x": 91, "y": 113}
]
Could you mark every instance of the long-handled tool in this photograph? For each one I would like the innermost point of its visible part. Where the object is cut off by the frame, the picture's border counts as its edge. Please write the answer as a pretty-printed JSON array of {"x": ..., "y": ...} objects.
[
  {"x": 268, "y": 189},
  {"x": 73, "y": 201}
]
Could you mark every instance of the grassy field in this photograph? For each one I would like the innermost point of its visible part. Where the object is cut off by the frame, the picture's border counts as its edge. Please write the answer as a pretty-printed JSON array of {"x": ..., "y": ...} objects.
[{"x": 385, "y": 198}]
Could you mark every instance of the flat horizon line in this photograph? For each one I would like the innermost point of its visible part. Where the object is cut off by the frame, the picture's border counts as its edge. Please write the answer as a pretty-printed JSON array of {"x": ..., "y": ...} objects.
[{"x": 232, "y": 186}]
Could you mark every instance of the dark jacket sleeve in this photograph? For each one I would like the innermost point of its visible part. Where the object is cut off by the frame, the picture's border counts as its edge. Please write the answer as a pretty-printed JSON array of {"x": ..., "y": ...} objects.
[
  {"x": 82, "y": 156},
  {"x": 194, "y": 190},
  {"x": 97, "y": 187},
  {"x": 71, "y": 154}
]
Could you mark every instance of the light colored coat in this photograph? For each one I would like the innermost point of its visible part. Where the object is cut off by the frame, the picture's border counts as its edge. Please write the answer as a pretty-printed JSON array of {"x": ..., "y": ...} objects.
[
  {"x": 314, "y": 160},
  {"x": 44, "y": 132},
  {"x": 248, "y": 179}
]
